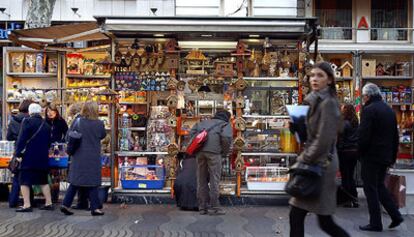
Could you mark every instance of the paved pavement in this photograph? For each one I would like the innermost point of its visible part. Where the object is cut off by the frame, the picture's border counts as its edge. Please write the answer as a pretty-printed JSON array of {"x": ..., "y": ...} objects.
[{"x": 167, "y": 220}]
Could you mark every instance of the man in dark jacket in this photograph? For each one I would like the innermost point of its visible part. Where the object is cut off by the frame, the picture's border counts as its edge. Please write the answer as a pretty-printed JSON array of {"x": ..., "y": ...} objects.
[
  {"x": 378, "y": 146},
  {"x": 209, "y": 160}
]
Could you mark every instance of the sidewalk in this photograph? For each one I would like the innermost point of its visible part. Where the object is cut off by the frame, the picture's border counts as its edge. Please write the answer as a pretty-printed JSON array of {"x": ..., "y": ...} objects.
[{"x": 167, "y": 220}]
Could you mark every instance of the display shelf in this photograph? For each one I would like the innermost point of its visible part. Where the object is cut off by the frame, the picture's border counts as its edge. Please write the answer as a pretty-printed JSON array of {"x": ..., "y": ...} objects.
[
  {"x": 140, "y": 153},
  {"x": 399, "y": 104},
  {"x": 388, "y": 78},
  {"x": 245, "y": 191},
  {"x": 132, "y": 103},
  {"x": 271, "y": 78},
  {"x": 268, "y": 154},
  {"x": 344, "y": 78},
  {"x": 13, "y": 101},
  {"x": 32, "y": 75},
  {"x": 166, "y": 190},
  {"x": 267, "y": 116},
  {"x": 87, "y": 77},
  {"x": 135, "y": 128}
]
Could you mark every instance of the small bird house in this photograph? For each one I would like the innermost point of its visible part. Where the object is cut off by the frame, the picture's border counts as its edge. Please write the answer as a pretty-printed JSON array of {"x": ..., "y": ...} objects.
[
  {"x": 368, "y": 67},
  {"x": 380, "y": 70},
  {"x": 347, "y": 69}
]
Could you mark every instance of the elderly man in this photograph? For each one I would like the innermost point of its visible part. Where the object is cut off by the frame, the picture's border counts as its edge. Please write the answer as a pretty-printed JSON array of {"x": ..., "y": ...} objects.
[{"x": 378, "y": 146}]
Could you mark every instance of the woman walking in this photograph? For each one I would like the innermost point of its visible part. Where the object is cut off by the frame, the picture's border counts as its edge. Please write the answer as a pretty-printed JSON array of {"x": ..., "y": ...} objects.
[
  {"x": 348, "y": 154},
  {"x": 322, "y": 128},
  {"x": 33, "y": 147},
  {"x": 85, "y": 167}
]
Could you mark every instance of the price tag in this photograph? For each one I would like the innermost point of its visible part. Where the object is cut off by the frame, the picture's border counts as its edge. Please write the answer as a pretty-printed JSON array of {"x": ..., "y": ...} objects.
[{"x": 140, "y": 185}]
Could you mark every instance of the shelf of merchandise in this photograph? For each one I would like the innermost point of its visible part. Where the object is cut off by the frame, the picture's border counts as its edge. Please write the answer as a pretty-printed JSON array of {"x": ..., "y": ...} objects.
[
  {"x": 132, "y": 103},
  {"x": 33, "y": 75},
  {"x": 88, "y": 77},
  {"x": 165, "y": 190},
  {"x": 140, "y": 153},
  {"x": 135, "y": 128},
  {"x": 271, "y": 78},
  {"x": 388, "y": 78},
  {"x": 245, "y": 191},
  {"x": 267, "y": 116}
]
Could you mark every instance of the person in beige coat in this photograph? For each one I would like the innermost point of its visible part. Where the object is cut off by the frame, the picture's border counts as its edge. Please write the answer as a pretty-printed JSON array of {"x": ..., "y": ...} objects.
[{"x": 322, "y": 125}]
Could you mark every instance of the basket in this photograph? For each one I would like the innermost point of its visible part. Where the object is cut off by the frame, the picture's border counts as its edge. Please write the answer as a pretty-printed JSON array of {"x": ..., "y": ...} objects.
[
  {"x": 58, "y": 162},
  {"x": 267, "y": 178},
  {"x": 143, "y": 177}
]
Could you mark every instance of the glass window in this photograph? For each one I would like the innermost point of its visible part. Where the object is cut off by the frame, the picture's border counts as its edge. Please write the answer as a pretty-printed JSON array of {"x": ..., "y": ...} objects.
[
  {"x": 389, "y": 19},
  {"x": 197, "y": 8},
  {"x": 335, "y": 18}
]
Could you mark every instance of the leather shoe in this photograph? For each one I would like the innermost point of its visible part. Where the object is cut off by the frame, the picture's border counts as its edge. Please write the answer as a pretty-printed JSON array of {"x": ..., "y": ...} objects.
[
  {"x": 370, "y": 228},
  {"x": 47, "y": 207},
  {"x": 65, "y": 211},
  {"x": 97, "y": 213},
  {"x": 24, "y": 209},
  {"x": 395, "y": 223}
]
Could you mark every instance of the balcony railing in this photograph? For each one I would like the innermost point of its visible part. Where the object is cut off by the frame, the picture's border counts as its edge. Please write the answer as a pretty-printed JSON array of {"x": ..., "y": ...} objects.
[{"x": 376, "y": 34}]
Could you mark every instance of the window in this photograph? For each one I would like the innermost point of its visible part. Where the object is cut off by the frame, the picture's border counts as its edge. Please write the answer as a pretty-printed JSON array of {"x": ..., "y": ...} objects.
[
  {"x": 197, "y": 8},
  {"x": 335, "y": 18},
  {"x": 389, "y": 19}
]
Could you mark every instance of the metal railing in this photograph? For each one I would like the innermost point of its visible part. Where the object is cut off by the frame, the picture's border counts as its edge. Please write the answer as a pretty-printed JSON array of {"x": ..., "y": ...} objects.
[{"x": 376, "y": 34}]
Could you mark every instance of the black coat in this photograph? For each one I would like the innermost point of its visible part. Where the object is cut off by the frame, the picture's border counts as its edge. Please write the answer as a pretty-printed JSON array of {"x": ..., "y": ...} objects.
[
  {"x": 378, "y": 133},
  {"x": 14, "y": 126},
  {"x": 36, "y": 156},
  {"x": 348, "y": 139},
  {"x": 58, "y": 127},
  {"x": 185, "y": 186}
]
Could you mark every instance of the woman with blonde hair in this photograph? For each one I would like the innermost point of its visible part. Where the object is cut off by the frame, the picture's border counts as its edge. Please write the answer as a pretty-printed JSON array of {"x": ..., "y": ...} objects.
[{"x": 85, "y": 167}]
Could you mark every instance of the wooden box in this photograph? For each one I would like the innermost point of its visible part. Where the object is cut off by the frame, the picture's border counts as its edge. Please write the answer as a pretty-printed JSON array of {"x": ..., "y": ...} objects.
[{"x": 369, "y": 67}]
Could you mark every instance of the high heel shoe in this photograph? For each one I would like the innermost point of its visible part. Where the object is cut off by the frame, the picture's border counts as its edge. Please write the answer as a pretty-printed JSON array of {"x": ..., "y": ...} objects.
[{"x": 97, "y": 213}]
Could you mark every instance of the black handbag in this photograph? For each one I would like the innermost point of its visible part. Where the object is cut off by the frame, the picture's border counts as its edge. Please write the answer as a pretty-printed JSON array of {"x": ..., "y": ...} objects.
[
  {"x": 305, "y": 180},
  {"x": 14, "y": 164},
  {"x": 74, "y": 138}
]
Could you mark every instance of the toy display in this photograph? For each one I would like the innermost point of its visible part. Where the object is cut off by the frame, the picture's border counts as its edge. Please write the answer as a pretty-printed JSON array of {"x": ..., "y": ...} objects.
[{"x": 144, "y": 81}]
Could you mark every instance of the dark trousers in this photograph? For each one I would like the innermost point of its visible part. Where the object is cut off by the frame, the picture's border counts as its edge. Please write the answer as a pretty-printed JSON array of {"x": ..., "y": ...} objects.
[
  {"x": 15, "y": 193},
  {"x": 347, "y": 164},
  {"x": 83, "y": 194},
  {"x": 208, "y": 171},
  {"x": 373, "y": 176},
  {"x": 93, "y": 196},
  {"x": 297, "y": 224}
]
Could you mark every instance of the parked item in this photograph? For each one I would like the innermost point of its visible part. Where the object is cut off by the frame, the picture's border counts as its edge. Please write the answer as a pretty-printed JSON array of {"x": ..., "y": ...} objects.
[{"x": 185, "y": 185}]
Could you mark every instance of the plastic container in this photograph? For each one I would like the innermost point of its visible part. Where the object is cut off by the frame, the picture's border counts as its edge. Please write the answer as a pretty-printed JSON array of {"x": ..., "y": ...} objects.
[
  {"x": 143, "y": 177},
  {"x": 59, "y": 162},
  {"x": 266, "y": 178}
]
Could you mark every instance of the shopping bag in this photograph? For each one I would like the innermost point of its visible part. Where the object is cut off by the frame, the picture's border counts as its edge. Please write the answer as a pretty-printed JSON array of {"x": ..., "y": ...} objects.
[{"x": 396, "y": 184}]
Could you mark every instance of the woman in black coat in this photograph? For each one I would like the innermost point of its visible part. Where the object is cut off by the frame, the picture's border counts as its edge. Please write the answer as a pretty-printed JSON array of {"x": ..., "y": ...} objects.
[
  {"x": 33, "y": 147},
  {"x": 347, "y": 146},
  {"x": 57, "y": 124},
  {"x": 185, "y": 185},
  {"x": 85, "y": 167},
  {"x": 13, "y": 130}
]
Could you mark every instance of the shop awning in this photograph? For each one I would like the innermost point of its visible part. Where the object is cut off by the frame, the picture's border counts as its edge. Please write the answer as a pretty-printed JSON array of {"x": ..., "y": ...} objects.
[
  {"x": 191, "y": 28},
  {"x": 364, "y": 47},
  {"x": 41, "y": 37}
]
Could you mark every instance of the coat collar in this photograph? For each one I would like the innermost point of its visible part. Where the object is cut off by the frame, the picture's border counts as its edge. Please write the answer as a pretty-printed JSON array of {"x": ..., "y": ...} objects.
[{"x": 316, "y": 96}]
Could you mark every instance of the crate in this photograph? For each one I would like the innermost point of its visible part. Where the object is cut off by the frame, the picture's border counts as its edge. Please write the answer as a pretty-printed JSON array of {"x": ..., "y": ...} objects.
[
  {"x": 267, "y": 178},
  {"x": 58, "y": 162},
  {"x": 143, "y": 177}
]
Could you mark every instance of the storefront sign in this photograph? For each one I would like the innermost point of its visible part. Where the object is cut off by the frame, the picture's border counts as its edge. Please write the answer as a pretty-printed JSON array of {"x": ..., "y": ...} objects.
[
  {"x": 5, "y": 31},
  {"x": 363, "y": 23}
]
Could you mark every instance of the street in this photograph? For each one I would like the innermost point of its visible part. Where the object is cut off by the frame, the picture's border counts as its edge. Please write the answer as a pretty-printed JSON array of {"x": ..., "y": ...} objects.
[{"x": 167, "y": 220}]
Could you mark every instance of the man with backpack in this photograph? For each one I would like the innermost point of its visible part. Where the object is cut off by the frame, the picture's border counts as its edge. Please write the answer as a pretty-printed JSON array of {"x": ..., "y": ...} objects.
[{"x": 209, "y": 160}]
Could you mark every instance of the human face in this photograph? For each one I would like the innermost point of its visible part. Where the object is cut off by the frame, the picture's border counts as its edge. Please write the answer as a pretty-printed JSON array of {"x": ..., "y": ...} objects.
[
  {"x": 319, "y": 79},
  {"x": 51, "y": 114},
  {"x": 365, "y": 99}
]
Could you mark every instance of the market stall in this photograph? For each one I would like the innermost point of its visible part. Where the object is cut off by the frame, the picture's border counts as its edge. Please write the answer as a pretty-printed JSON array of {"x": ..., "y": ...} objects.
[{"x": 169, "y": 73}]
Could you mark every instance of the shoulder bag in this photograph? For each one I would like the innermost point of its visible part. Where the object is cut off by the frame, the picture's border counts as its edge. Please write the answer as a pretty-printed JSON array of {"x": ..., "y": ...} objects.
[
  {"x": 14, "y": 164},
  {"x": 198, "y": 141},
  {"x": 74, "y": 138}
]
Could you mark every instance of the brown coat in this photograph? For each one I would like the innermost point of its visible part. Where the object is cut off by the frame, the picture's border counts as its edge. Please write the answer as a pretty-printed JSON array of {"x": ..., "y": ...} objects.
[{"x": 322, "y": 124}]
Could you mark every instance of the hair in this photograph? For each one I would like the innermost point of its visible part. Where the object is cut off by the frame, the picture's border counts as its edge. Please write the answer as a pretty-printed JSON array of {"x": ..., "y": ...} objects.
[
  {"x": 53, "y": 109},
  {"x": 75, "y": 109},
  {"x": 327, "y": 68},
  {"x": 90, "y": 110},
  {"x": 349, "y": 114},
  {"x": 35, "y": 109},
  {"x": 24, "y": 106},
  {"x": 370, "y": 89}
]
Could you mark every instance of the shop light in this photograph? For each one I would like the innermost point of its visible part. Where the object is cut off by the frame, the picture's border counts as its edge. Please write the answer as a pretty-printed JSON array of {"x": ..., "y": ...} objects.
[
  {"x": 159, "y": 35},
  {"x": 207, "y": 44},
  {"x": 254, "y": 36}
]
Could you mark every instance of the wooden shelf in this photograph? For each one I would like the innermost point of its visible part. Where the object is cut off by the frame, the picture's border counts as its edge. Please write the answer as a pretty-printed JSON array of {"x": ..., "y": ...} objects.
[
  {"x": 399, "y": 104},
  {"x": 344, "y": 78},
  {"x": 135, "y": 128},
  {"x": 388, "y": 78},
  {"x": 32, "y": 75},
  {"x": 132, "y": 103},
  {"x": 271, "y": 78},
  {"x": 140, "y": 153},
  {"x": 88, "y": 77}
]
